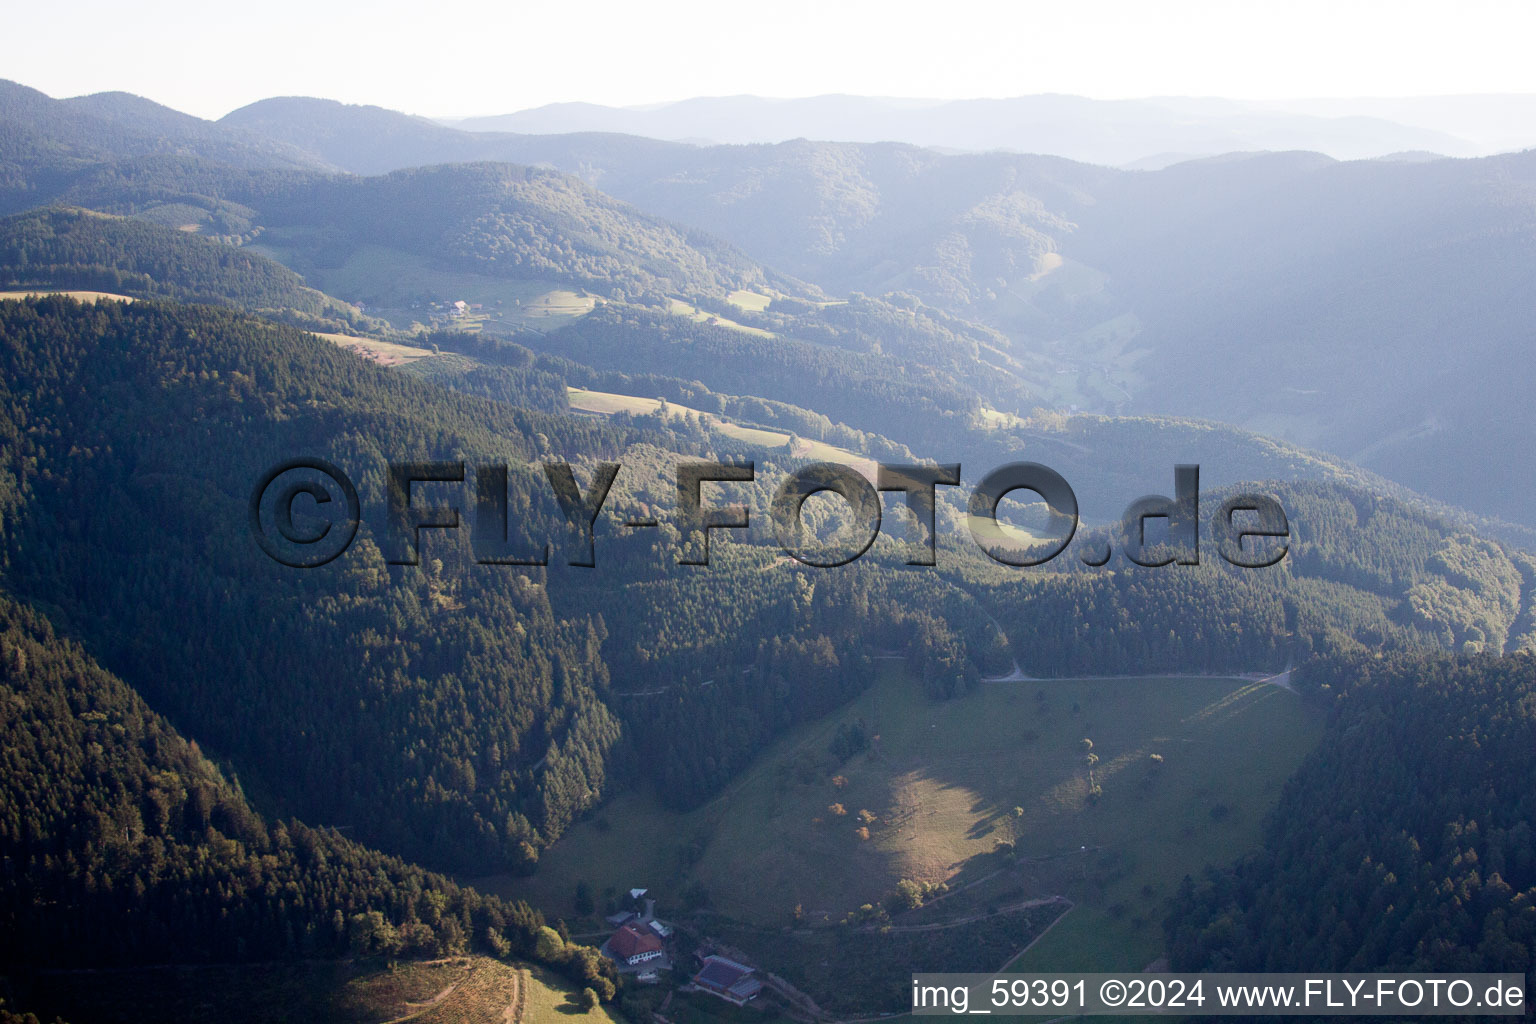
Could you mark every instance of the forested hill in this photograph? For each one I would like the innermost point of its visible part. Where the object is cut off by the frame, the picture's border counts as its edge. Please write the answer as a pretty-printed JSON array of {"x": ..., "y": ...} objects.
[
  {"x": 158, "y": 420},
  {"x": 373, "y": 140},
  {"x": 472, "y": 701},
  {"x": 487, "y": 708},
  {"x": 124, "y": 845},
  {"x": 499, "y": 220},
  {"x": 967, "y": 233},
  {"x": 1406, "y": 842},
  {"x": 1365, "y": 308},
  {"x": 1361, "y": 308},
  {"x": 68, "y": 249},
  {"x": 44, "y": 141},
  {"x": 515, "y": 222}
]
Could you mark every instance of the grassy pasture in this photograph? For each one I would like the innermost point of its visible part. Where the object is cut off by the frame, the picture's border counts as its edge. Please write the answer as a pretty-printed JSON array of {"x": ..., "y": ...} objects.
[
  {"x": 385, "y": 353},
  {"x": 548, "y": 1001},
  {"x": 942, "y": 783},
  {"x": 992, "y": 419},
  {"x": 700, "y": 316},
  {"x": 607, "y": 403},
  {"x": 83, "y": 296},
  {"x": 402, "y": 989},
  {"x": 455, "y": 990},
  {"x": 465, "y": 990},
  {"x": 754, "y": 302},
  {"x": 699, "y": 1008},
  {"x": 1046, "y": 263},
  {"x": 390, "y": 281},
  {"x": 856, "y": 971}
]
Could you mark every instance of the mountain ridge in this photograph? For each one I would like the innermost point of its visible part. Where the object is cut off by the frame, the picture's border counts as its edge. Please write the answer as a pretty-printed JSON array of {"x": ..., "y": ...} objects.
[{"x": 1112, "y": 132}]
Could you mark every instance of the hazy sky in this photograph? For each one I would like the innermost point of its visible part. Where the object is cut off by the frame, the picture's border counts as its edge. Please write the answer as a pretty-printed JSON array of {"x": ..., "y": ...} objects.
[{"x": 462, "y": 57}]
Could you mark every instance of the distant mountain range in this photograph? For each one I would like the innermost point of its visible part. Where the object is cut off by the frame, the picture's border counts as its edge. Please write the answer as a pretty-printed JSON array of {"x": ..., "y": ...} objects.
[
  {"x": 1367, "y": 308},
  {"x": 1145, "y": 133},
  {"x": 1361, "y": 307}
]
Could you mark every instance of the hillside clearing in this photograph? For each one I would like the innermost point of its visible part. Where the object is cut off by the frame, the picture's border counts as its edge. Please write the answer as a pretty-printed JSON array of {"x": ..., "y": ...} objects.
[
  {"x": 83, "y": 296},
  {"x": 454, "y": 990},
  {"x": 946, "y": 784},
  {"x": 385, "y": 353},
  {"x": 754, "y": 302},
  {"x": 407, "y": 291},
  {"x": 607, "y": 403},
  {"x": 702, "y": 316},
  {"x": 549, "y": 1001}
]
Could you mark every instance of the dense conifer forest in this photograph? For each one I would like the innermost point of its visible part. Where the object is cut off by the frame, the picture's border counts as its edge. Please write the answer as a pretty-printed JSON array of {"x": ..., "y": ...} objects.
[{"x": 1404, "y": 842}]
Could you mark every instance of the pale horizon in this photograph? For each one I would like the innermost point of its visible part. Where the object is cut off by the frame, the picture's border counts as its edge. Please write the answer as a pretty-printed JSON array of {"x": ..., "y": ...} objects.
[
  {"x": 470, "y": 58},
  {"x": 1278, "y": 102}
]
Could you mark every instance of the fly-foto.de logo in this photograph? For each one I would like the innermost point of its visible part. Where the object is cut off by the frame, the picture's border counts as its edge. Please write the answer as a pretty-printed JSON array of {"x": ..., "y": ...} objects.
[{"x": 305, "y": 513}]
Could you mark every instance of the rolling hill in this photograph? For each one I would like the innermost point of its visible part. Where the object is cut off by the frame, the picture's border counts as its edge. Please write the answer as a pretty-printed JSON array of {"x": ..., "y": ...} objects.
[
  {"x": 70, "y": 249},
  {"x": 503, "y": 221},
  {"x": 46, "y": 143},
  {"x": 219, "y": 721},
  {"x": 126, "y": 847},
  {"x": 1365, "y": 308},
  {"x": 1371, "y": 858}
]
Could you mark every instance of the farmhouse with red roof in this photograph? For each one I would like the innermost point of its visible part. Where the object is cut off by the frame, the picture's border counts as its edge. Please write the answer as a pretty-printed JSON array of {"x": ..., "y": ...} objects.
[{"x": 632, "y": 944}]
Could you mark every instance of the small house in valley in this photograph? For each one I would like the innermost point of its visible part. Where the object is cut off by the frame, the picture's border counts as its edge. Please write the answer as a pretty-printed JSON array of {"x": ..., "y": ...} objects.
[{"x": 731, "y": 981}]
